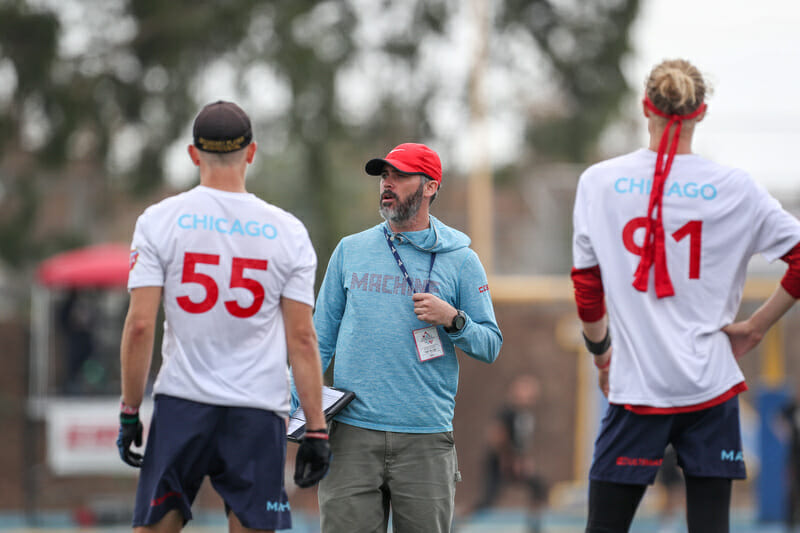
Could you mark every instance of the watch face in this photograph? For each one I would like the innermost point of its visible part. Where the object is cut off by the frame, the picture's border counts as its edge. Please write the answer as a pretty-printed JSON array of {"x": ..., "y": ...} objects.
[{"x": 459, "y": 321}]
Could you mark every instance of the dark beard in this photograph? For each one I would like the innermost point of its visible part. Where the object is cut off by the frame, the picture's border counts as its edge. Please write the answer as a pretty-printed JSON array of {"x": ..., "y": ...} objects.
[{"x": 404, "y": 211}]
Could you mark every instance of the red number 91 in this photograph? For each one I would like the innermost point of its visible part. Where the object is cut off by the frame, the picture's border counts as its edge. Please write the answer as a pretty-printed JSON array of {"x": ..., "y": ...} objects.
[{"x": 693, "y": 228}]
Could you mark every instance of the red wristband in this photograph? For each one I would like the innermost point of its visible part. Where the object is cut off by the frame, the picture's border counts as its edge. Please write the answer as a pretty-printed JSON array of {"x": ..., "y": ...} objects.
[
  {"x": 603, "y": 367},
  {"x": 316, "y": 435}
]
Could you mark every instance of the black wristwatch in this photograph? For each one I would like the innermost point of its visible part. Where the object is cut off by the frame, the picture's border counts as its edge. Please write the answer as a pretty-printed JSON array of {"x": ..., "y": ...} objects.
[{"x": 458, "y": 324}]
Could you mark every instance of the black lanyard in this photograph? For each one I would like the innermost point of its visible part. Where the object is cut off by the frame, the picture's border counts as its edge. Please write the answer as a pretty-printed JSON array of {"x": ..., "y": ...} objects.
[{"x": 403, "y": 267}]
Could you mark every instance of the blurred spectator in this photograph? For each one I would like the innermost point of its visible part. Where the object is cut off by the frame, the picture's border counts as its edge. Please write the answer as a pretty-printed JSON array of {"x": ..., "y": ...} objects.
[
  {"x": 791, "y": 414},
  {"x": 77, "y": 319},
  {"x": 508, "y": 459},
  {"x": 670, "y": 479}
]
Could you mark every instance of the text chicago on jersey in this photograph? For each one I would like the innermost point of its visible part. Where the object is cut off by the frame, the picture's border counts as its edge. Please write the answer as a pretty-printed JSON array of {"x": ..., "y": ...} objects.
[
  {"x": 225, "y": 226},
  {"x": 690, "y": 189}
]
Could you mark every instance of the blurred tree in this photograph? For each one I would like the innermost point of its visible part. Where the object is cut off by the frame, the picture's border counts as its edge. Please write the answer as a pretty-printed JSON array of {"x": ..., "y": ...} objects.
[
  {"x": 585, "y": 44},
  {"x": 98, "y": 91},
  {"x": 94, "y": 94}
]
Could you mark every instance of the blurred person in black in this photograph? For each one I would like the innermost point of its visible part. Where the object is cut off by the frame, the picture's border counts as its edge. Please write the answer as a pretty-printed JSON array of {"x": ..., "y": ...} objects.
[
  {"x": 77, "y": 319},
  {"x": 791, "y": 415},
  {"x": 508, "y": 461},
  {"x": 670, "y": 479}
]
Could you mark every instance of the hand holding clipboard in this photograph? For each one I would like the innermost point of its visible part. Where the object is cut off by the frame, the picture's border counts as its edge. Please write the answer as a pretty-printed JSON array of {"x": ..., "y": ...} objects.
[{"x": 333, "y": 401}]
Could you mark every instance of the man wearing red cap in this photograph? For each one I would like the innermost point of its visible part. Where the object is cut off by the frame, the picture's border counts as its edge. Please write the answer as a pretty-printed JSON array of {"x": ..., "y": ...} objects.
[
  {"x": 395, "y": 302},
  {"x": 236, "y": 277}
]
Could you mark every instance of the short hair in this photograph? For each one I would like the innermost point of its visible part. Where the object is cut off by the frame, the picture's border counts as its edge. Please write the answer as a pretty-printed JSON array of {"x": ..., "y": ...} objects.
[
  {"x": 676, "y": 87},
  {"x": 227, "y": 159}
]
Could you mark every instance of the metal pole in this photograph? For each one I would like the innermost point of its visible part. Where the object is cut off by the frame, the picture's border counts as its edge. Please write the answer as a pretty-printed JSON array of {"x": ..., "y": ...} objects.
[
  {"x": 39, "y": 342},
  {"x": 480, "y": 198}
]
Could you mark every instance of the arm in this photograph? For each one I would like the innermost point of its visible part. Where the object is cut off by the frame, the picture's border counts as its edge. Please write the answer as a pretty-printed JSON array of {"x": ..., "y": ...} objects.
[
  {"x": 136, "y": 347},
  {"x": 314, "y": 454},
  {"x": 136, "y": 353},
  {"x": 301, "y": 342},
  {"x": 480, "y": 338},
  {"x": 745, "y": 335},
  {"x": 330, "y": 306},
  {"x": 327, "y": 317},
  {"x": 589, "y": 298}
]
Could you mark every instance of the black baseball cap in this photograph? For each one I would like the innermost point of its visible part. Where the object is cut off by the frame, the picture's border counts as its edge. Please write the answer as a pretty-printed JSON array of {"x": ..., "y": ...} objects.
[{"x": 222, "y": 127}]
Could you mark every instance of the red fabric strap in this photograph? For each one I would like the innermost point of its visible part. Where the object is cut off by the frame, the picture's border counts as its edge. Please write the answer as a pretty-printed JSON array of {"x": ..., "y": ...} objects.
[
  {"x": 791, "y": 279},
  {"x": 654, "y": 248},
  {"x": 589, "y": 293},
  {"x": 722, "y": 398},
  {"x": 316, "y": 435}
]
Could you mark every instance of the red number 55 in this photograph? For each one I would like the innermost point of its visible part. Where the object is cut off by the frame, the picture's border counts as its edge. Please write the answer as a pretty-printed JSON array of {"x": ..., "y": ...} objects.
[
  {"x": 693, "y": 228},
  {"x": 190, "y": 260}
]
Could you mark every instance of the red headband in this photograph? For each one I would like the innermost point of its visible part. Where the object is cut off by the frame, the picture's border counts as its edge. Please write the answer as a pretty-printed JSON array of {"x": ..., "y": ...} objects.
[
  {"x": 652, "y": 107},
  {"x": 654, "y": 250}
]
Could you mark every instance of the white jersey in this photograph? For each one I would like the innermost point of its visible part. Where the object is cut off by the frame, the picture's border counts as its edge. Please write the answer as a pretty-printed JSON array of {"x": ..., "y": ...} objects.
[
  {"x": 224, "y": 261},
  {"x": 670, "y": 352}
]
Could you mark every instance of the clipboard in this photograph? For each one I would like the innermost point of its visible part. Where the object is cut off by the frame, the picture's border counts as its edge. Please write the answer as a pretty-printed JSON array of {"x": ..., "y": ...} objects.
[{"x": 333, "y": 401}]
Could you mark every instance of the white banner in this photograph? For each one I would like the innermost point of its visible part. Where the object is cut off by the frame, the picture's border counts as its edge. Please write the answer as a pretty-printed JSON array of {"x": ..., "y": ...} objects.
[{"x": 82, "y": 436}]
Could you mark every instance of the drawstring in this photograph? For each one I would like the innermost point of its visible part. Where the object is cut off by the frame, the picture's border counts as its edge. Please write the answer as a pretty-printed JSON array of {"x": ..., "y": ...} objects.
[{"x": 654, "y": 249}]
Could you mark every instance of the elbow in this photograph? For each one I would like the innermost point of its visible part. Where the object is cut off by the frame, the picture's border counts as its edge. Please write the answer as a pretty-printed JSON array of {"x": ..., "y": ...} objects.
[
  {"x": 497, "y": 346},
  {"x": 302, "y": 342},
  {"x": 494, "y": 350},
  {"x": 139, "y": 328},
  {"x": 494, "y": 355}
]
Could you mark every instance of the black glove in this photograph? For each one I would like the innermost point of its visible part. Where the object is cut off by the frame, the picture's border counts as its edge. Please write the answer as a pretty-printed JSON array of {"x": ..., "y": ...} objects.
[
  {"x": 313, "y": 458},
  {"x": 130, "y": 432}
]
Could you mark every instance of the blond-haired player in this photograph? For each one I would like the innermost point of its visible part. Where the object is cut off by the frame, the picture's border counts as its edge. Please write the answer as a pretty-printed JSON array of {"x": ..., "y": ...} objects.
[{"x": 662, "y": 237}]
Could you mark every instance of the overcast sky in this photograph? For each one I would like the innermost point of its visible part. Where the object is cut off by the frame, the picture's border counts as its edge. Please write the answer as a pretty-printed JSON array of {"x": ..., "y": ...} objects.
[{"x": 750, "y": 52}]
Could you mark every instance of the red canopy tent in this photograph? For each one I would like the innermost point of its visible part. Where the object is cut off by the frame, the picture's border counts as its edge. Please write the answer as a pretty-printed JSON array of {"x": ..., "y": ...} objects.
[
  {"x": 100, "y": 265},
  {"x": 103, "y": 266}
]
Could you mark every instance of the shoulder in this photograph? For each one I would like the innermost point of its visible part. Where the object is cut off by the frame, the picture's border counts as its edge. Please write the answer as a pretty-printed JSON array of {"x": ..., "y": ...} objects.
[
  {"x": 615, "y": 165},
  {"x": 734, "y": 183},
  {"x": 167, "y": 204},
  {"x": 366, "y": 237},
  {"x": 279, "y": 214}
]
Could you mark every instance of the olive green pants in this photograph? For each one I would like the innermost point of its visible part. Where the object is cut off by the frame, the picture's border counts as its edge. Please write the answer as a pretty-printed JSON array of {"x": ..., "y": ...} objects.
[{"x": 373, "y": 472}]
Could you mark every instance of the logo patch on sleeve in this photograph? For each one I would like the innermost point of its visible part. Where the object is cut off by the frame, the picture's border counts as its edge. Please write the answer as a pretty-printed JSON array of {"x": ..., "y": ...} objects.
[
  {"x": 134, "y": 257},
  {"x": 483, "y": 288}
]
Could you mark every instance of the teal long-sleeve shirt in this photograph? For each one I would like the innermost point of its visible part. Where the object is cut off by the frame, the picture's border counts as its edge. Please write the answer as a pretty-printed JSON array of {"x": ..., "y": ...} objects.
[{"x": 365, "y": 316}]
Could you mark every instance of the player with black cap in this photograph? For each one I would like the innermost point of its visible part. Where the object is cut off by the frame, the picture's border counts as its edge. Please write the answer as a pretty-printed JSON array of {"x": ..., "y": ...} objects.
[{"x": 236, "y": 276}]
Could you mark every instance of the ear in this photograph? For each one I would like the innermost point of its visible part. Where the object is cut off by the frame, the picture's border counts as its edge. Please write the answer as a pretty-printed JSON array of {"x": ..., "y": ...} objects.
[
  {"x": 251, "y": 152},
  {"x": 432, "y": 186},
  {"x": 194, "y": 155}
]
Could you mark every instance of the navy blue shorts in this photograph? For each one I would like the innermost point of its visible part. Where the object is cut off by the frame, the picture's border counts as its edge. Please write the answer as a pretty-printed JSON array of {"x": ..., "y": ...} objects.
[
  {"x": 241, "y": 449},
  {"x": 630, "y": 447}
]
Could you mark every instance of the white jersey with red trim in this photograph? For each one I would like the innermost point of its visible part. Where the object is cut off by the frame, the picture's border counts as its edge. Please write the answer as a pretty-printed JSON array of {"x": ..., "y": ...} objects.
[
  {"x": 224, "y": 261},
  {"x": 670, "y": 352}
]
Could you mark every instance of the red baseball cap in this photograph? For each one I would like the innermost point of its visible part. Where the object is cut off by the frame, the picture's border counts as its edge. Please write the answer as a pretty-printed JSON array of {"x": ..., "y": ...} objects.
[{"x": 411, "y": 158}]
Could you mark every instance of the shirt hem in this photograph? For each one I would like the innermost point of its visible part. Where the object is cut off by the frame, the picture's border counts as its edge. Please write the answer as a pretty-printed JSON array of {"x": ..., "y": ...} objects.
[
  {"x": 392, "y": 429},
  {"x": 717, "y": 400}
]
